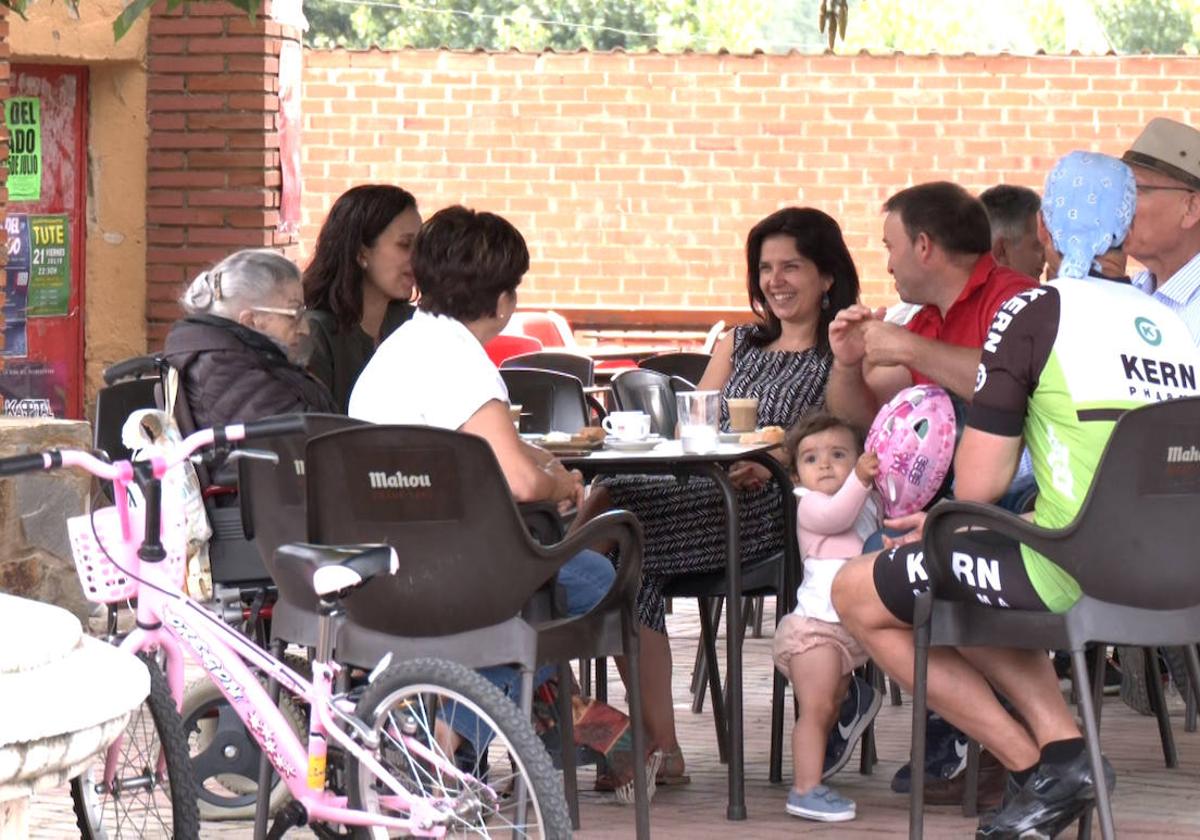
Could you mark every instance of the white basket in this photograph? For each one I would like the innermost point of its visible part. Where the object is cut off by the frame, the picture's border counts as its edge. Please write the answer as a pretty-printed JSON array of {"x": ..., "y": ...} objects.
[{"x": 102, "y": 581}]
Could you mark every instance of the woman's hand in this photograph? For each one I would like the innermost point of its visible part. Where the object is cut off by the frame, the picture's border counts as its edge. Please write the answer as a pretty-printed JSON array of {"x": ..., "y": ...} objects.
[
  {"x": 748, "y": 475},
  {"x": 867, "y": 468},
  {"x": 913, "y": 524}
]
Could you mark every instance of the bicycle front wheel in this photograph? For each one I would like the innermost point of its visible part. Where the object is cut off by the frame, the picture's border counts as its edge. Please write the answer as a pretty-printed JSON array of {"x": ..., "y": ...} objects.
[
  {"x": 142, "y": 801},
  {"x": 508, "y": 785}
]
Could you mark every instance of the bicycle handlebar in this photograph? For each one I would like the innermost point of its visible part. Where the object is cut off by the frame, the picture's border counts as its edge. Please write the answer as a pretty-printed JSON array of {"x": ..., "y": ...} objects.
[
  {"x": 27, "y": 463},
  {"x": 123, "y": 470}
]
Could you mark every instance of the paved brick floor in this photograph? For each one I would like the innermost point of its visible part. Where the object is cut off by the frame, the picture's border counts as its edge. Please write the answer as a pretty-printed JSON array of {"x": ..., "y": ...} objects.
[{"x": 1150, "y": 800}]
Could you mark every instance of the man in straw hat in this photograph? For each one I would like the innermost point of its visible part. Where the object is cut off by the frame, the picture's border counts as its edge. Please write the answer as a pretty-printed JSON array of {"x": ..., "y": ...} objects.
[{"x": 1165, "y": 236}]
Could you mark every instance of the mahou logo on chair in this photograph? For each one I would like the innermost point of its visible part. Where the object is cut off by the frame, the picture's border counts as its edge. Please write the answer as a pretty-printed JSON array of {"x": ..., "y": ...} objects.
[{"x": 397, "y": 480}]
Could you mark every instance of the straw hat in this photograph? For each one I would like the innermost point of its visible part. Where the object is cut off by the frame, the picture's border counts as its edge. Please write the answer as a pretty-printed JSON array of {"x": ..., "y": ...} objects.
[{"x": 1170, "y": 148}]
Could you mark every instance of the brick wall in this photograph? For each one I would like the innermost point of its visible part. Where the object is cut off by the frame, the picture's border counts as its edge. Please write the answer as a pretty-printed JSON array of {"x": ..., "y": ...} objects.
[
  {"x": 213, "y": 182},
  {"x": 635, "y": 178}
]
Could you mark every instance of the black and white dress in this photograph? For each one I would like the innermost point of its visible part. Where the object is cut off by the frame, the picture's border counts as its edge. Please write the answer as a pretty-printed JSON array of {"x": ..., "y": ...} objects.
[{"x": 684, "y": 524}]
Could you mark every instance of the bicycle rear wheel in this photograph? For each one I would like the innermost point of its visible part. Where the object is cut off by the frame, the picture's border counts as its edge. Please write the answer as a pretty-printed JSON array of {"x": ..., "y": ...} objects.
[
  {"x": 141, "y": 801},
  {"x": 426, "y": 700}
]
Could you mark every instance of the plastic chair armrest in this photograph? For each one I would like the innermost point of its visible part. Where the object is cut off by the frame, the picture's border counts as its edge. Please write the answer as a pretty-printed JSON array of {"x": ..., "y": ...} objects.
[
  {"x": 622, "y": 527},
  {"x": 948, "y": 517}
]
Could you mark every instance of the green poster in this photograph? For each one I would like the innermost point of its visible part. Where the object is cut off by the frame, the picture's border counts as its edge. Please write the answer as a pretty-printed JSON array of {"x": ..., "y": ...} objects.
[
  {"x": 23, "y": 114},
  {"x": 49, "y": 292}
]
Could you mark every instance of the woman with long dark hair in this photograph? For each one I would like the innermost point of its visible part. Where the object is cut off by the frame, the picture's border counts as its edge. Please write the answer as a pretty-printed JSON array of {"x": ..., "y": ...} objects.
[
  {"x": 799, "y": 275},
  {"x": 359, "y": 285}
]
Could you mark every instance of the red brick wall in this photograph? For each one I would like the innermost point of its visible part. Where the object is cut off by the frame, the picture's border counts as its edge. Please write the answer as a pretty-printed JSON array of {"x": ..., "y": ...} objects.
[
  {"x": 213, "y": 181},
  {"x": 635, "y": 178}
]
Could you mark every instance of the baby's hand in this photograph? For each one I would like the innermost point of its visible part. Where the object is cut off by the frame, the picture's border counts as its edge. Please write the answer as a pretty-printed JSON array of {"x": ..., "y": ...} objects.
[{"x": 867, "y": 468}]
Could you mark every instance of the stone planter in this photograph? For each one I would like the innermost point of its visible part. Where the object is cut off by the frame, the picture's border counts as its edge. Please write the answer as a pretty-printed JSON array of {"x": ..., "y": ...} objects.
[{"x": 65, "y": 698}]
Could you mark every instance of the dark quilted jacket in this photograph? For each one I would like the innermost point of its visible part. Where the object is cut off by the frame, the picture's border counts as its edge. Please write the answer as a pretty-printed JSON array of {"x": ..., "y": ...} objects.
[{"x": 232, "y": 374}]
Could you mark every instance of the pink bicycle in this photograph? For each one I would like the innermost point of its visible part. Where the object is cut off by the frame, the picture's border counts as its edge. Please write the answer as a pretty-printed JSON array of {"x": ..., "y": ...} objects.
[{"x": 405, "y": 762}]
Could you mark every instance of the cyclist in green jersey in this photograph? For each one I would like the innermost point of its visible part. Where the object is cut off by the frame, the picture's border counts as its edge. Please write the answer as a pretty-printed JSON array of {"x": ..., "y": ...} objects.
[{"x": 1059, "y": 365}]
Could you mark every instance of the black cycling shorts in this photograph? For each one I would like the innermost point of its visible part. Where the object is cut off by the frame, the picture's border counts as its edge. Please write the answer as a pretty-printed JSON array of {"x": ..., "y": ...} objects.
[{"x": 986, "y": 566}]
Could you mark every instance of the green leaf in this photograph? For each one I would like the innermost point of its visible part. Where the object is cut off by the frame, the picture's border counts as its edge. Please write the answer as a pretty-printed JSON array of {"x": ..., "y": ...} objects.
[{"x": 128, "y": 16}]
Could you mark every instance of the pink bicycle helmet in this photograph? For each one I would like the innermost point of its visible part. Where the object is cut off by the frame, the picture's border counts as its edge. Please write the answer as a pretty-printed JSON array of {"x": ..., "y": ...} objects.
[{"x": 913, "y": 435}]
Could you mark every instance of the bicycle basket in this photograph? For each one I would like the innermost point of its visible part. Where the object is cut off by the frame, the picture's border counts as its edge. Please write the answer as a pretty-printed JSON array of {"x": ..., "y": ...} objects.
[{"x": 102, "y": 581}]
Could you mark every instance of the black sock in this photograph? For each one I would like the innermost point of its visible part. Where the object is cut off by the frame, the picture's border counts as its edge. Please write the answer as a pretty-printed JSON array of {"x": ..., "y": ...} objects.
[
  {"x": 1022, "y": 776},
  {"x": 1059, "y": 752}
]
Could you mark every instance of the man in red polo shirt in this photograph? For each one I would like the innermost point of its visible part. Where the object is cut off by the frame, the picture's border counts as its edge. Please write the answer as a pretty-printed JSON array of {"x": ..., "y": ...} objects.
[
  {"x": 939, "y": 252},
  {"x": 939, "y": 246}
]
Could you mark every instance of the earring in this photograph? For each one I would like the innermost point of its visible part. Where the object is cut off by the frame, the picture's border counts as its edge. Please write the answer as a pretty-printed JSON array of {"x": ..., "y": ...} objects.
[{"x": 825, "y": 300}]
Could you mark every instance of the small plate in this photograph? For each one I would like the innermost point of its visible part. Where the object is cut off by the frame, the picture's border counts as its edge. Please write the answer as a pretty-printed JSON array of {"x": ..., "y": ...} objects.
[
  {"x": 730, "y": 437},
  {"x": 643, "y": 445}
]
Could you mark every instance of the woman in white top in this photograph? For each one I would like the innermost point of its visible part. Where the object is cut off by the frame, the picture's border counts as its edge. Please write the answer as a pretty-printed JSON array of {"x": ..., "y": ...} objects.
[{"x": 433, "y": 371}]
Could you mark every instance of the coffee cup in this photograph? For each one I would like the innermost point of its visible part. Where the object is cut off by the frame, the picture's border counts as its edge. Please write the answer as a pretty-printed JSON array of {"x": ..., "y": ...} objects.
[
  {"x": 627, "y": 425},
  {"x": 743, "y": 413}
]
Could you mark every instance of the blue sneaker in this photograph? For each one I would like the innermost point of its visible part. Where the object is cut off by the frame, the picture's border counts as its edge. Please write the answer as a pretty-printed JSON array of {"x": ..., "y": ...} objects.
[
  {"x": 945, "y": 756},
  {"x": 858, "y": 710},
  {"x": 821, "y": 804}
]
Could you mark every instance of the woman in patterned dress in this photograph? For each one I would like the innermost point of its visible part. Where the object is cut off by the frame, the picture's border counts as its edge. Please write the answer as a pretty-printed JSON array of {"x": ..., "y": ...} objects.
[{"x": 799, "y": 276}]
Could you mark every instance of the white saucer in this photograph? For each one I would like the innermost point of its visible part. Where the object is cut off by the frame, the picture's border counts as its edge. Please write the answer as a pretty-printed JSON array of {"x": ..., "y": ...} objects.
[
  {"x": 643, "y": 445},
  {"x": 730, "y": 437}
]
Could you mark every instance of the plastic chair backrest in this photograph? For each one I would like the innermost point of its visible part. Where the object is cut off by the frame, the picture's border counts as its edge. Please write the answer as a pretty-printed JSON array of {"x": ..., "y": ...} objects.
[
  {"x": 504, "y": 346},
  {"x": 550, "y": 401},
  {"x": 439, "y": 498},
  {"x": 648, "y": 391},
  {"x": 689, "y": 366},
  {"x": 272, "y": 496},
  {"x": 1135, "y": 535},
  {"x": 114, "y": 404},
  {"x": 574, "y": 364},
  {"x": 713, "y": 336}
]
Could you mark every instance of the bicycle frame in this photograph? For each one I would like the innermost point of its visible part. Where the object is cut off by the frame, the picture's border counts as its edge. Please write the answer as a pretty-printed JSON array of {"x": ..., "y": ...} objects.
[{"x": 170, "y": 621}]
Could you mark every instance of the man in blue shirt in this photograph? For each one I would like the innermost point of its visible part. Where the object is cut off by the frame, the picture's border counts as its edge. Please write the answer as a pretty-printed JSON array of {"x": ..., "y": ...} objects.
[{"x": 1165, "y": 236}]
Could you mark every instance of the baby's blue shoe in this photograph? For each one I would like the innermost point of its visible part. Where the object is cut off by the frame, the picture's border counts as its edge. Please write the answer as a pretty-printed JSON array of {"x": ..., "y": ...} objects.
[{"x": 820, "y": 803}]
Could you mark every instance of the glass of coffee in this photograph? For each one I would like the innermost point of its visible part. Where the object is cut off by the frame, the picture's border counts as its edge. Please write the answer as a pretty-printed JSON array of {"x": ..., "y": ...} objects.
[{"x": 743, "y": 413}]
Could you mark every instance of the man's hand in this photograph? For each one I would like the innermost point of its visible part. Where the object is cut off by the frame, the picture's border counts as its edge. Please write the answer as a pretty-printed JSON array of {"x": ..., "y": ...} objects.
[
  {"x": 885, "y": 344},
  {"x": 867, "y": 468},
  {"x": 846, "y": 334},
  {"x": 913, "y": 524},
  {"x": 748, "y": 475}
]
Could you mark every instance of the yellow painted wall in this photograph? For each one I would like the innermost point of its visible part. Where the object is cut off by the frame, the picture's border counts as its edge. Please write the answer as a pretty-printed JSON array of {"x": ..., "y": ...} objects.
[{"x": 115, "y": 251}]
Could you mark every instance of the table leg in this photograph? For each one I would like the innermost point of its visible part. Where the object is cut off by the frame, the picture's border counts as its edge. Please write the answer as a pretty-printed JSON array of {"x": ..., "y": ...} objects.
[{"x": 736, "y": 809}]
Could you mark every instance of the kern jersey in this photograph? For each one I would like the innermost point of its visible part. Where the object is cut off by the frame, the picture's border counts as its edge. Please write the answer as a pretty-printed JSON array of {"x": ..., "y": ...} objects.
[{"x": 1060, "y": 365}]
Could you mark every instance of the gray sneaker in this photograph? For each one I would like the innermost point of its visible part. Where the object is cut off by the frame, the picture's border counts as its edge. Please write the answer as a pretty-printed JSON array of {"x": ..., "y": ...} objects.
[{"x": 822, "y": 804}]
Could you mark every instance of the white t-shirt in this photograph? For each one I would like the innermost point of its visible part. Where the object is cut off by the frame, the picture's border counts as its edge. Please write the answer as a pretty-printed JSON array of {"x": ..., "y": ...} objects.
[{"x": 432, "y": 371}]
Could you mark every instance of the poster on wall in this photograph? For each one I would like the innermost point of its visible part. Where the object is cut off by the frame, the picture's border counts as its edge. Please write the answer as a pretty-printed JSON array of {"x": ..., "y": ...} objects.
[
  {"x": 16, "y": 286},
  {"x": 23, "y": 115},
  {"x": 49, "y": 267},
  {"x": 34, "y": 388}
]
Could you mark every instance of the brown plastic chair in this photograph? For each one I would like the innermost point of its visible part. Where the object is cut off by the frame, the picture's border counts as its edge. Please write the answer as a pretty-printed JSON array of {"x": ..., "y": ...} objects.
[
  {"x": 468, "y": 566},
  {"x": 272, "y": 509},
  {"x": 581, "y": 367},
  {"x": 1129, "y": 550},
  {"x": 687, "y": 366},
  {"x": 550, "y": 401}
]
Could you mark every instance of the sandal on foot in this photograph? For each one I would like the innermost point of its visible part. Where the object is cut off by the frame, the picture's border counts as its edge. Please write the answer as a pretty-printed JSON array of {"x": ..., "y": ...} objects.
[
  {"x": 617, "y": 778},
  {"x": 671, "y": 774}
]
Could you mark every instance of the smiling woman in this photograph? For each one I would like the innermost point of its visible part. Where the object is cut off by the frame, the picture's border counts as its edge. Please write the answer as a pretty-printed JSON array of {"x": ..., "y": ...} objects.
[{"x": 799, "y": 275}]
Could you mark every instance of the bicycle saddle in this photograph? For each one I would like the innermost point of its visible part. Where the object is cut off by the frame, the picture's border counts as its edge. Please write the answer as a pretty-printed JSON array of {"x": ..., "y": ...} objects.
[{"x": 335, "y": 570}]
